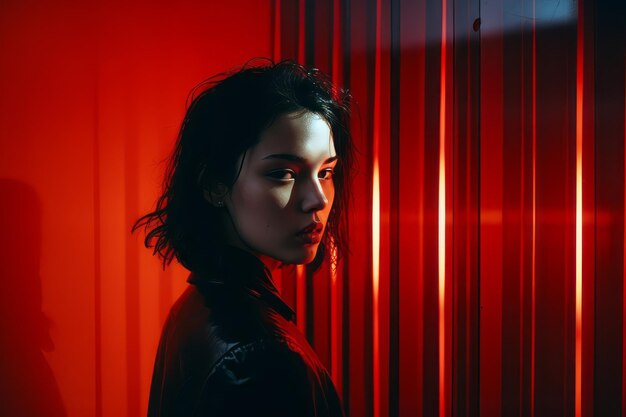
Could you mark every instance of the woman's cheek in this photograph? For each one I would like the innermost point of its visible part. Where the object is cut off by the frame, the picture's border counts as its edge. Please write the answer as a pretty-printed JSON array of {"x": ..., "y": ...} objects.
[
  {"x": 279, "y": 196},
  {"x": 329, "y": 192}
]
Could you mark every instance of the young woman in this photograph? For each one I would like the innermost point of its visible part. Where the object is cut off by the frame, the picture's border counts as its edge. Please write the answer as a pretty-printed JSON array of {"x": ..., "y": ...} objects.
[{"x": 257, "y": 180}]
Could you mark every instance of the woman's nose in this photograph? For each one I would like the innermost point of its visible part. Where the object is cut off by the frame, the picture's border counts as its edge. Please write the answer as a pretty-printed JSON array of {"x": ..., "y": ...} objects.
[{"x": 314, "y": 198}]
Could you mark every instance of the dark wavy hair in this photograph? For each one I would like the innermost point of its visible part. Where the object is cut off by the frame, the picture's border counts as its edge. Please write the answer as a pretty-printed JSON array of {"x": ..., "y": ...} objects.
[{"x": 225, "y": 117}]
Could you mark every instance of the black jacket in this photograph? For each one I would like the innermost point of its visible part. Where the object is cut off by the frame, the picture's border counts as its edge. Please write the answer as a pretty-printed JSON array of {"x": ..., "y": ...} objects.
[{"x": 229, "y": 347}]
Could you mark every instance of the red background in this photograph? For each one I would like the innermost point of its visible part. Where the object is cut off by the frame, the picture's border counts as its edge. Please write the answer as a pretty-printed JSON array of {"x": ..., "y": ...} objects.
[{"x": 460, "y": 294}]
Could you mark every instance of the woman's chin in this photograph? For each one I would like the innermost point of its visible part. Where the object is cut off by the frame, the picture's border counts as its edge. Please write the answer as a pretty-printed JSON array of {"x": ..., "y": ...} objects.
[{"x": 302, "y": 256}]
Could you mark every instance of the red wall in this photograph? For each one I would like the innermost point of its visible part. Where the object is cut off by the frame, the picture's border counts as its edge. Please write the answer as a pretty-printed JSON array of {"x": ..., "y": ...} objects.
[
  {"x": 91, "y": 97},
  {"x": 487, "y": 232},
  {"x": 486, "y": 274}
]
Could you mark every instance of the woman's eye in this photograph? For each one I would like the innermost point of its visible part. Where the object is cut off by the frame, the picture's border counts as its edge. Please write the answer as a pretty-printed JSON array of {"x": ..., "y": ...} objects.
[
  {"x": 326, "y": 174},
  {"x": 282, "y": 174}
]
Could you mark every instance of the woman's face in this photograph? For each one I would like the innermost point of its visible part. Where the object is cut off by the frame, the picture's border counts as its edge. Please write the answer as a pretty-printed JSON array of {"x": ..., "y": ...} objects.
[{"x": 281, "y": 200}]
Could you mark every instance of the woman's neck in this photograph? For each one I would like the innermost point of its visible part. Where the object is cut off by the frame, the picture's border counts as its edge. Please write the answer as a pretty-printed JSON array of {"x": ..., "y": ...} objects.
[{"x": 233, "y": 239}]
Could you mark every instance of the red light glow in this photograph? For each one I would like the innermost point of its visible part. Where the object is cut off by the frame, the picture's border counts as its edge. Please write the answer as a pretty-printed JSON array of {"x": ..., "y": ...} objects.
[
  {"x": 376, "y": 219},
  {"x": 579, "y": 213},
  {"x": 301, "y": 297},
  {"x": 442, "y": 216},
  {"x": 335, "y": 329}
]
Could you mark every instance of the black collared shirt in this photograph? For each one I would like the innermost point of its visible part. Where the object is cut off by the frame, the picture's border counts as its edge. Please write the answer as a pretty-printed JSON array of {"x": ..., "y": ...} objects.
[{"x": 229, "y": 347}]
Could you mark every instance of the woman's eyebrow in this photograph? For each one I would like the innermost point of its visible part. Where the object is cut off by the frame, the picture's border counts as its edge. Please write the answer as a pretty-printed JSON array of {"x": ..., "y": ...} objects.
[{"x": 296, "y": 158}]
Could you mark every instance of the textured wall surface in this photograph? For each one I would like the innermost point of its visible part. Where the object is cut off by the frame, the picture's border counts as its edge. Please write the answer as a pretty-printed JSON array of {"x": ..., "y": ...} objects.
[{"x": 487, "y": 232}]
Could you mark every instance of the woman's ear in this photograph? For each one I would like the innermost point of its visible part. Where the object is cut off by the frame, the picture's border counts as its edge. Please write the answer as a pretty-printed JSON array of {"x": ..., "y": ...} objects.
[{"x": 216, "y": 194}]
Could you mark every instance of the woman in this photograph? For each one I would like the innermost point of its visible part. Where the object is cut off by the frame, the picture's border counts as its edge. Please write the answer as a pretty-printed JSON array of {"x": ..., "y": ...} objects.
[{"x": 257, "y": 180}]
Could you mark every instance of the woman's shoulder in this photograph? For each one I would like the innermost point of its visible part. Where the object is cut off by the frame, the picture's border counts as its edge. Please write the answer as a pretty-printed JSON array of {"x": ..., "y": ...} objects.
[
  {"x": 202, "y": 327},
  {"x": 227, "y": 366},
  {"x": 229, "y": 314},
  {"x": 272, "y": 354},
  {"x": 272, "y": 376}
]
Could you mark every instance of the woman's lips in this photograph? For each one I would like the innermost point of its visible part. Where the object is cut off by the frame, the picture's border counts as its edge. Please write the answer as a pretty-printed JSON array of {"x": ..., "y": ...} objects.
[
  {"x": 311, "y": 238},
  {"x": 312, "y": 234},
  {"x": 315, "y": 227}
]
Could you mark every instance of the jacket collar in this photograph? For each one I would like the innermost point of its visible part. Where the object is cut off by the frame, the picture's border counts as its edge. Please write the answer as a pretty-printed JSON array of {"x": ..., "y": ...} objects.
[{"x": 238, "y": 268}]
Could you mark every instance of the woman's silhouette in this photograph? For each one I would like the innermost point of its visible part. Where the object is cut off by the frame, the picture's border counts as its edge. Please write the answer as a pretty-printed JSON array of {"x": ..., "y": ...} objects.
[{"x": 257, "y": 180}]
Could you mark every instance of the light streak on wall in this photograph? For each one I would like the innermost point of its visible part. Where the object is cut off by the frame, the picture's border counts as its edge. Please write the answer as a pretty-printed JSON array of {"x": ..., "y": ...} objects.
[
  {"x": 375, "y": 284},
  {"x": 376, "y": 217},
  {"x": 301, "y": 297},
  {"x": 579, "y": 211},
  {"x": 335, "y": 329},
  {"x": 442, "y": 216}
]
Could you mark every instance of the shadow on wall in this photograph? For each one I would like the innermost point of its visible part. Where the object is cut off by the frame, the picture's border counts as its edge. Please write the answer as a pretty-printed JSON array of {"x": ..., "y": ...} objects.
[{"x": 27, "y": 384}]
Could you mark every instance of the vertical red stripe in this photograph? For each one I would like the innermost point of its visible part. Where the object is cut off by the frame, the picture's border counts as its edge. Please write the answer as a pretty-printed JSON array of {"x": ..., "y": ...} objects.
[
  {"x": 376, "y": 215},
  {"x": 492, "y": 152},
  {"x": 97, "y": 305},
  {"x": 442, "y": 214},
  {"x": 534, "y": 213},
  {"x": 276, "y": 52},
  {"x": 336, "y": 336},
  {"x": 412, "y": 183},
  {"x": 335, "y": 370},
  {"x": 469, "y": 175},
  {"x": 589, "y": 227},
  {"x": 336, "y": 39},
  {"x": 579, "y": 208},
  {"x": 522, "y": 210},
  {"x": 423, "y": 239},
  {"x": 624, "y": 277},
  {"x": 133, "y": 375},
  {"x": 301, "y": 31},
  {"x": 301, "y": 298}
]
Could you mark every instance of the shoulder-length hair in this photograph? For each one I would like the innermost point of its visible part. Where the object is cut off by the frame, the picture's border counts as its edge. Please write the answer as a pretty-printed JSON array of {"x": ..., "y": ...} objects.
[{"x": 225, "y": 117}]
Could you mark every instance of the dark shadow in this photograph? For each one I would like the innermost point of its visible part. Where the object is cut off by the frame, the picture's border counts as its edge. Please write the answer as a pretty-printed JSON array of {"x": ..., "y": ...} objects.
[{"x": 27, "y": 384}]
